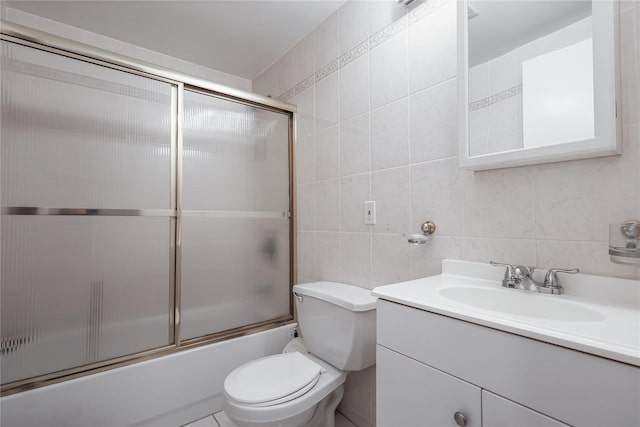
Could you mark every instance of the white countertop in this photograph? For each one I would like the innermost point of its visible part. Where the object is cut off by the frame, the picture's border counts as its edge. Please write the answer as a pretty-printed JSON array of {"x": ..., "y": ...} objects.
[{"x": 614, "y": 331}]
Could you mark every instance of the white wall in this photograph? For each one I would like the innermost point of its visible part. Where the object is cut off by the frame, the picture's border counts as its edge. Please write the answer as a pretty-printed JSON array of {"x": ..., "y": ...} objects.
[
  {"x": 376, "y": 93},
  {"x": 53, "y": 27}
]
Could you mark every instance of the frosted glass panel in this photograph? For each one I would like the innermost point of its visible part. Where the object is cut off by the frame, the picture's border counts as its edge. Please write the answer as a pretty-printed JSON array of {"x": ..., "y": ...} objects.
[
  {"x": 236, "y": 157},
  {"x": 77, "y": 290},
  {"x": 76, "y": 134},
  {"x": 235, "y": 272}
]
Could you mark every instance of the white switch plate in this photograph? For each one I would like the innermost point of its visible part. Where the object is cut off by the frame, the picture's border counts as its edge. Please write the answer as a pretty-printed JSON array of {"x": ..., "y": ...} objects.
[{"x": 370, "y": 212}]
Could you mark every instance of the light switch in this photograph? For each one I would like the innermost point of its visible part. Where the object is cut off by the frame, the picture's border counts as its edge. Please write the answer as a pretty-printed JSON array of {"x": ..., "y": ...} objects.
[{"x": 370, "y": 212}]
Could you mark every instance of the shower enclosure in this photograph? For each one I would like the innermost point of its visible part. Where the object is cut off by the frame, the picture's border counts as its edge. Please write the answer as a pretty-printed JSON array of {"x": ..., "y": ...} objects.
[{"x": 143, "y": 211}]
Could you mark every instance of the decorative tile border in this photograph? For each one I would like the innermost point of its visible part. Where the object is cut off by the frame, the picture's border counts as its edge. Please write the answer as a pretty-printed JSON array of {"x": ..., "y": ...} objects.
[
  {"x": 493, "y": 99},
  {"x": 424, "y": 9}
]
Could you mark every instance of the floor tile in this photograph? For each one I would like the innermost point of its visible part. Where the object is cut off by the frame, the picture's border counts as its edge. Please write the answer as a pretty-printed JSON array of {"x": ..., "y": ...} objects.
[
  {"x": 204, "y": 422},
  {"x": 223, "y": 420},
  {"x": 341, "y": 421}
]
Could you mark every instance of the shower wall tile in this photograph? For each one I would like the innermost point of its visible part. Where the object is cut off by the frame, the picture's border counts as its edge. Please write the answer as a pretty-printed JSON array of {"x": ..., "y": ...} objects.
[
  {"x": 397, "y": 116},
  {"x": 356, "y": 259},
  {"x": 390, "y": 135},
  {"x": 499, "y": 203},
  {"x": 354, "y": 24},
  {"x": 389, "y": 70},
  {"x": 436, "y": 192},
  {"x": 391, "y": 259},
  {"x": 327, "y": 42},
  {"x": 355, "y": 145},
  {"x": 328, "y": 153},
  {"x": 306, "y": 206},
  {"x": 328, "y": 101},
  {"x": 354, "y": 88},
  {"x": 434, "y": 122},
  {"x": 328, "y": 256},
  {"x": 306, "y": 254},
  {"x": 306, "y": 112},
  {"x": 328, "y": 205},
  {"x": 432, "y": 48},
  {"x": 426, "y": 260},
  {"x": 630, "y": 63},
  {"x": 390, "y": 189},
  {"x": 590, "y": 257},
  {"x": 384, "y": 13},
  {"x": 562, "y": 200},
  {"x": 354, "y": 190},
  {"x": 305, "y": 159},
  {"x": 482, "y": 249},
  {"x": 303, "y": 59}
]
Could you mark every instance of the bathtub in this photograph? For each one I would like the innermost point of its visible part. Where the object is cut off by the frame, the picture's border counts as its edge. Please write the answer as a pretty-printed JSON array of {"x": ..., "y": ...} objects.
[{"x": 167, "y": 391}]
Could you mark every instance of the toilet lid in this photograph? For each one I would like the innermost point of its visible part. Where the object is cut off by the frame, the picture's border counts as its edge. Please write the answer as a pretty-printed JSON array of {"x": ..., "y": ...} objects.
[{"x": 272, "y": 378}]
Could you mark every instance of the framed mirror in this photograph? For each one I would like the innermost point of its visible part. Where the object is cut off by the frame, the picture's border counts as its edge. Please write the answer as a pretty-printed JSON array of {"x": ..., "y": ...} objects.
[{"x": 538, "y": 81}]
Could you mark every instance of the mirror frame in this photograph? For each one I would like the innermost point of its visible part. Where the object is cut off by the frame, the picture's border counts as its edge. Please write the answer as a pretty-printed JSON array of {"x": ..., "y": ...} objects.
[{"x": 607, "y": 139}]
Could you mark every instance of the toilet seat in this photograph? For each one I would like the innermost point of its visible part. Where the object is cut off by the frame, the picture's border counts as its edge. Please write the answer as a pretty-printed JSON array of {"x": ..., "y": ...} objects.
[
  {"x": 330, "y": 379},
  {"x": 272, "y": 380}
]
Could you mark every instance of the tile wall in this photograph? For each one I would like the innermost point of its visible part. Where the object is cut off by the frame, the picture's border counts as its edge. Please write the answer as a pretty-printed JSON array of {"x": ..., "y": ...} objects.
[{"x": 375, "y": 85}]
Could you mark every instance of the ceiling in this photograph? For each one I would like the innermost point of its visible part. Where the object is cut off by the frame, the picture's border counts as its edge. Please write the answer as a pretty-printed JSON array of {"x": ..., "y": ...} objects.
[
  {"x": 237, "y": 37},
  {"x": 501, "y": 26}
]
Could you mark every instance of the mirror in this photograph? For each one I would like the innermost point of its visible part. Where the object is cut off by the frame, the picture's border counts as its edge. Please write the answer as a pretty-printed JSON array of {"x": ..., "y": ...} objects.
[{"x": 537, "y": 81}]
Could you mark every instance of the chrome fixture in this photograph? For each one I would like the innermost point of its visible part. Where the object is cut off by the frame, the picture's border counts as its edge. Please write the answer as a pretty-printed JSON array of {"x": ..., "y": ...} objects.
[
  {"x": 624, "y": 242},
  {"x": 521, "y": 277},
  {"x": 428, "y": 228}
]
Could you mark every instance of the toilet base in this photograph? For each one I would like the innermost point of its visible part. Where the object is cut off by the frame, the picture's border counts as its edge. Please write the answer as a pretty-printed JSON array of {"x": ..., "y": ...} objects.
[{"x": 325, "y": 414}]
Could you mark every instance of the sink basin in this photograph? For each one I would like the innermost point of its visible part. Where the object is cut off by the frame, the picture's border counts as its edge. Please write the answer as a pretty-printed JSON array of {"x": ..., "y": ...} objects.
[{"x": 521, "y": 303}]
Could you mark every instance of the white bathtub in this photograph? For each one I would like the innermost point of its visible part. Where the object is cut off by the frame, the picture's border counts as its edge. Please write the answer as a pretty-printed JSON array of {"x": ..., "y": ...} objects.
[{"x": 167, "y": 391}]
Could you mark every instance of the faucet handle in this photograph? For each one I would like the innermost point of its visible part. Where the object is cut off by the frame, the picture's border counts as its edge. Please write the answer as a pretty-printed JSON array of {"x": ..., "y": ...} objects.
[
  {"x": 551, "y": 279},
  {"x": 510, "y": 268},
  {"x": 510, "y": 279}
]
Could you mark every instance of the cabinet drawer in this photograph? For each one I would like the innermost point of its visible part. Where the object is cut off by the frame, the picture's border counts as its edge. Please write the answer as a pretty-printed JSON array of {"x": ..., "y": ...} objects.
[
  {"x": 411, "y": 394},
  {"x": 574, "y": 387},
  {"x": 500, "y": 412}
]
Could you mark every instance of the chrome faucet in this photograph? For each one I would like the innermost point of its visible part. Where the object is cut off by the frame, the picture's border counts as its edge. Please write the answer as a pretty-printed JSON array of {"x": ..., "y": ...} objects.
[{"x": 521, "y": 277}]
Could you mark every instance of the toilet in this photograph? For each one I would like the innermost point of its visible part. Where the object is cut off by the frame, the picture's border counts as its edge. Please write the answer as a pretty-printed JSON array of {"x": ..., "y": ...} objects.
[{"x": 294, "y": 389}]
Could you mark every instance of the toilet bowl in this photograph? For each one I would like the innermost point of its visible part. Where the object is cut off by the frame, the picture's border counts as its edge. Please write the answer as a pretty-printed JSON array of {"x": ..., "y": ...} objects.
[{"x": 294, "y": 389}]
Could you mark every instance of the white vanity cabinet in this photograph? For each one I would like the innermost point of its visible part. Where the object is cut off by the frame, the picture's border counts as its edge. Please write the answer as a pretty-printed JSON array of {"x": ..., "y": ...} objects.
[
  {"x": 430, "y": 366},
  {"x": 410, "y": 393}
]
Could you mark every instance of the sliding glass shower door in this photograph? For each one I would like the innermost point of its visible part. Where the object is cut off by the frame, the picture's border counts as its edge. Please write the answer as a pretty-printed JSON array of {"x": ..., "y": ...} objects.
[
  {"x": 137, "y": 216},
  {"x": 85, "y": 152},
  {"x": 235, "y": 221}
]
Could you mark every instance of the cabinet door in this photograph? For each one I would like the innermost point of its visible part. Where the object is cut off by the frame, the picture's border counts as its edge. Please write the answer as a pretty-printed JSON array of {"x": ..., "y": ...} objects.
[
  {"x": 500, "y": 412},
  {"x": 412, "y": 394}
]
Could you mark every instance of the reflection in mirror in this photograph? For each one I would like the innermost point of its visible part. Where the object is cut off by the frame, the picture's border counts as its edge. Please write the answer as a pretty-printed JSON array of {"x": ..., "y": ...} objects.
[{"x": 530, "y": 80}]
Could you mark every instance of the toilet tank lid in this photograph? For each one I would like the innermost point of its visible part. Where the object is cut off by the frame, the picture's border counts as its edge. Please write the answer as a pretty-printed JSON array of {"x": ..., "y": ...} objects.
[{"x": 346, "y": 296}]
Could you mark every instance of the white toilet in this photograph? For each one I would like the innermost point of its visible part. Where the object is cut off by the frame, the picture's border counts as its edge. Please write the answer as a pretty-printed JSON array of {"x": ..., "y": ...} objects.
[{"x": 338, "y": 325}]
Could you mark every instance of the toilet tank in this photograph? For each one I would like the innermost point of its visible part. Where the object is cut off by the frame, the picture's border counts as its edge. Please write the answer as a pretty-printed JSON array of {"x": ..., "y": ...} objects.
[{"x": 338, "y": 323}]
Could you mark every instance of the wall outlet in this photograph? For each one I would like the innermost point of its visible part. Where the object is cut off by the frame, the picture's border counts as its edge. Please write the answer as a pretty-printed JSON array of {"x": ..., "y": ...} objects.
[{"x": 370, "y": 212}]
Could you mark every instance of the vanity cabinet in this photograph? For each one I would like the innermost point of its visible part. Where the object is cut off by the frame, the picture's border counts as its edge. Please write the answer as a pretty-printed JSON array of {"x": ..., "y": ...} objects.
[
  {"x": 411, "y": 393},
  {"x": 431, "y": 366}
]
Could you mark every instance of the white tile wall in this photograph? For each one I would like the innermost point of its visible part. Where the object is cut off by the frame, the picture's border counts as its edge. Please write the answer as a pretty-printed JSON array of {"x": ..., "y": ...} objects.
[{"x": 395, "y": 74}]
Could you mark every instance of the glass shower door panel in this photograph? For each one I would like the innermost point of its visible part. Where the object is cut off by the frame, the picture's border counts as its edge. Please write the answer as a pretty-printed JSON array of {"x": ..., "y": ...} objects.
[
  {"x": 235, "y": 231},
  {"x": 235, "y": 272},
  {"x": 236, "y": 157},
  {"x": 82, "y": 289},
  {"x": 79, "y": 135},
  {"x": 78, "y": 290}
]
